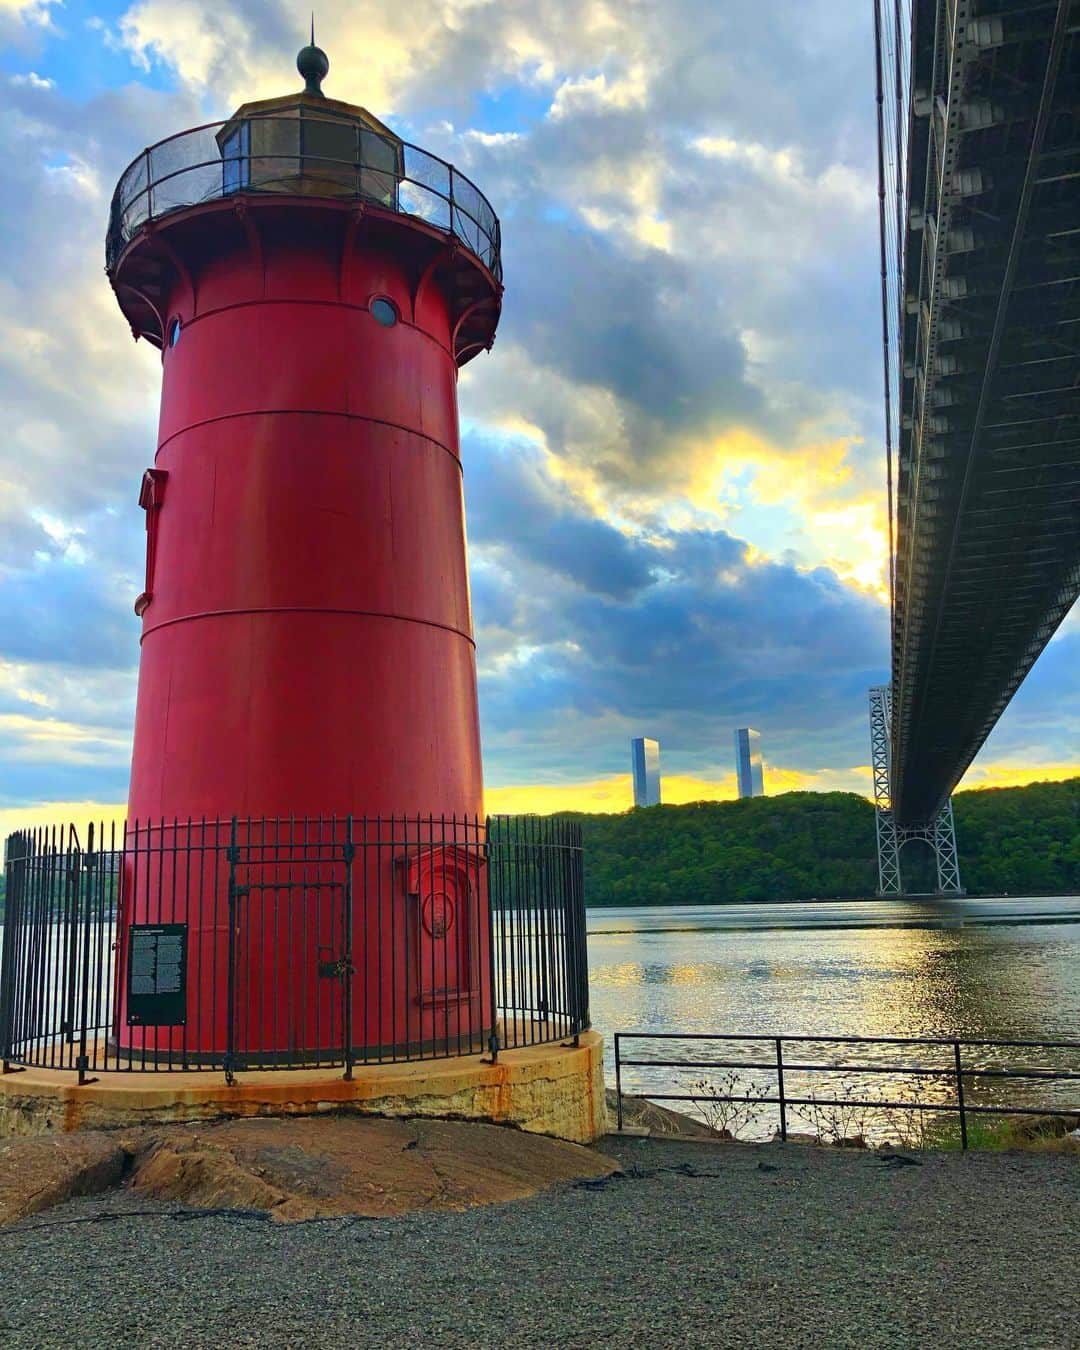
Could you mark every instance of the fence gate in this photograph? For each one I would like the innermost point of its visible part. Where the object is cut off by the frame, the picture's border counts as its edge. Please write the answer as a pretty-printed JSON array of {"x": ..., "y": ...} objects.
[{"x": 290, "y": 959}]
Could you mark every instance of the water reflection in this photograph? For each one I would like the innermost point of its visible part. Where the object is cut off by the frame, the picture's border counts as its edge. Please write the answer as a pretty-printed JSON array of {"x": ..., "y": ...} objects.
[{"x": 968, "y": 971}]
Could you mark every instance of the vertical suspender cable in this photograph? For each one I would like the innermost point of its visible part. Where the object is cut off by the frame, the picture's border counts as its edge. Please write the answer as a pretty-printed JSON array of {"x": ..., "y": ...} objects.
[
  {"x": 885, "y": 301},
  {"x": 901, "y": 161}
]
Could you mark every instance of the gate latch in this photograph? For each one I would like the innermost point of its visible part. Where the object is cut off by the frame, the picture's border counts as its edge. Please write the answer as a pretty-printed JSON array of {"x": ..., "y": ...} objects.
[{"x": 335, "y": 968}]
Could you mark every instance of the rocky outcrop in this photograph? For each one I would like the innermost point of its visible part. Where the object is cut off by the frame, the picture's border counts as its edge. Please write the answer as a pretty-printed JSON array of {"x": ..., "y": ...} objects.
[
  {"x": 298, "y": 1168},
  {"x": 41, "y": 1171},
  {"x": 307, "y": 1169},
  {"x": 641, "y": 1116}
]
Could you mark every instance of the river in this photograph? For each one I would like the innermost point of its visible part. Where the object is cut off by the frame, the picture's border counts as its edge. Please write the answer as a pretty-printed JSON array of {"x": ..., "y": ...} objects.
[
  {"x": 1004, "y": 968},
  {"x": 977, "y": 969}
]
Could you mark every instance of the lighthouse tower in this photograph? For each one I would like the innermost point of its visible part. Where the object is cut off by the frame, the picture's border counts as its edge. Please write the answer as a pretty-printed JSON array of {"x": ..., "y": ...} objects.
[{"x": 314, "y": 285}]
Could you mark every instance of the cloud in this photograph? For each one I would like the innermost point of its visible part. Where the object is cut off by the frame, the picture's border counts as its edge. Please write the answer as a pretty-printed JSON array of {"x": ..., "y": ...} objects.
[
  {"x": 31, "y": 80},
  {"x": 31, "y": 735},
  {"x": 598, "y": 93},
  {"x": 680, "y": 634},
  {"x": 65, "y": 730},
  {"x": 68, "y": 613},
  {"x": 509, "y": 483},
  {"x": 32, "y": 13},
  {"x": 408, "y": 58}
]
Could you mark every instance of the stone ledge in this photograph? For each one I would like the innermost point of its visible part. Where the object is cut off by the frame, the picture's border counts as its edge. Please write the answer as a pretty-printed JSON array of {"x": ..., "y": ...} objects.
[{"x": 549, "y": 1089}]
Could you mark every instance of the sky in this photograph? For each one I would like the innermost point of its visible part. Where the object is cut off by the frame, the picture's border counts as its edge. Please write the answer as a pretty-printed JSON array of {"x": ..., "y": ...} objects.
[{"x": 673, "y": 454}]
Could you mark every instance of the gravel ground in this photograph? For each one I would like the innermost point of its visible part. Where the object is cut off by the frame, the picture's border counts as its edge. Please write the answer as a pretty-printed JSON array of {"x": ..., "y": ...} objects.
[{"x": 697, "y": 1244}]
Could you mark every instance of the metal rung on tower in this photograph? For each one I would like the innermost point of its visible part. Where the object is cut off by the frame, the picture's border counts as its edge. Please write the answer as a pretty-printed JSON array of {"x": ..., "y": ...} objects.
[{"x": 939, "y": 833}]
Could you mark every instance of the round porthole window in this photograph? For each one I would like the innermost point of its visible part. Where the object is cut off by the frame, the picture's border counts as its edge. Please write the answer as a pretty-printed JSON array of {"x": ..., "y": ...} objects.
[
  {"x": 174, "y": 332},
  {"x": 384, "y": 312}
]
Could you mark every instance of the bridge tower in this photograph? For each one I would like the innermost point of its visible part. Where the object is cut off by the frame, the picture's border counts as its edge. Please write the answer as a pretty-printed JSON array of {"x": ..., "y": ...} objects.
[{"x": 939, "y": 833}]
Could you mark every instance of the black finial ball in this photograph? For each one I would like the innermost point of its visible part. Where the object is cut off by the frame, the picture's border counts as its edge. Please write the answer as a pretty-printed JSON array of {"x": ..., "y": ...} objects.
[{"x": 313, "y": 64}]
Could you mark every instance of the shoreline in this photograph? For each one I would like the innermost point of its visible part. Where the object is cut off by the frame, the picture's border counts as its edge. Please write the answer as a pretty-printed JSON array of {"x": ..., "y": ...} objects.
[{"x": 913, "y": 912}]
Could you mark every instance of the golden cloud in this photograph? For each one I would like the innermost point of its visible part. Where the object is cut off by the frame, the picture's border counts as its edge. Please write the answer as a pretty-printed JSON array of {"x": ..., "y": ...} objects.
[
  {"x": 59, "y": 738},
  {"x": 615, "y": 793},
  {"x": 842, "y": 521},
  {"x": 47, "y": 815},
  {"x": 376, "y": 50},
  {"x": 1000, "y": 775},
  {"x": 29, "y": 11},
  {"x": 820, "y": 501}
]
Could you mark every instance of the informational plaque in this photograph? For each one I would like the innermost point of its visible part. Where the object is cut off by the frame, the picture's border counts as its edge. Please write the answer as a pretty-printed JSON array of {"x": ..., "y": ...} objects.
[{"x": 157, "y": 975}]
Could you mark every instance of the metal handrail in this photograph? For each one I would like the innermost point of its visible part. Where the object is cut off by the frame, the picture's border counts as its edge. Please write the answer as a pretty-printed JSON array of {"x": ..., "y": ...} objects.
[
  {"x": 464, "y": 200},
  {"x": 956, "y": 1071},
  {"x": 836, "y": 1040}
]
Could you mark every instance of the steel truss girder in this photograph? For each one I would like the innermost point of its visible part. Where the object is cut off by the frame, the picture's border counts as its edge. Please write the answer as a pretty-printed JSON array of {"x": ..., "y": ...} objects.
[
  {"x": 939, "y": 833},
  {"x": 989, "y": 338}
]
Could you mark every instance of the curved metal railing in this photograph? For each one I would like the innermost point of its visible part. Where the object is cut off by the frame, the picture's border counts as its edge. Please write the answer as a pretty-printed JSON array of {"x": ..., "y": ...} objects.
[
  {"x": 305, "y": 156},
  {"x": 292, "y": 943}
]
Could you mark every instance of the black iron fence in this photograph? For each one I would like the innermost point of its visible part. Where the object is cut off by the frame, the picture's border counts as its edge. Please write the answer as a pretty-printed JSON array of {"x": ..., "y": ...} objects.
[
  {"x": 936, "y": 1077},
  {"x": 268, "y": 943},
  {"x": 301, "y": 156}
]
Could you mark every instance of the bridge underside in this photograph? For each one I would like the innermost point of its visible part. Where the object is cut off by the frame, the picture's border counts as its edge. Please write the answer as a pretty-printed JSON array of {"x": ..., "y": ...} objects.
[{"x": 988, "y": 488}]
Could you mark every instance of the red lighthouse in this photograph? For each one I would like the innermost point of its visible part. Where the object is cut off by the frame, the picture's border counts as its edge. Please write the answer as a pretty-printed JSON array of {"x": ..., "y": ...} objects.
[{"x": 314, "y": 284}]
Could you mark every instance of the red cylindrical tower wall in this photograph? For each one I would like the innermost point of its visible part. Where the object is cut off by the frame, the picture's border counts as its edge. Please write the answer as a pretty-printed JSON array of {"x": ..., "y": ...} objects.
[{"x": 307, "y": 647}]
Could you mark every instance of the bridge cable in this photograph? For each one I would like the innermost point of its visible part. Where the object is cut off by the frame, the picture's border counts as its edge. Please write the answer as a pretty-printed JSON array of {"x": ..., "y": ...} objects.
[{"x": 885, "y": 302}]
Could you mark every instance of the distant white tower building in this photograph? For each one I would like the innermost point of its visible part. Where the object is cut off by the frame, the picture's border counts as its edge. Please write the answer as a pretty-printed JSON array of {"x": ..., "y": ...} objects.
[
  {"x": 748, "y": 763},
  {"x": 645, "y": 762}
]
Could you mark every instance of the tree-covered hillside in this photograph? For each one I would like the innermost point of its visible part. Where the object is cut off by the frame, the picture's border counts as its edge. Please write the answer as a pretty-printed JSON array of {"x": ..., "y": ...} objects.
[
  {"x": 803, "y": 845},
  {"x": 1020, "y": 839}
]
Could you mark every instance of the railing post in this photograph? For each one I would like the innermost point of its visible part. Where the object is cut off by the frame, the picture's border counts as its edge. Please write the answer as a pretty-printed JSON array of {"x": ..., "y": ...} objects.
[
  {"x": 83, "y": 890},
  {"x": 618, "y": 1085},
  {"x": 960, "y": 1095},
  {"x": 347, "y": 970},
  {"x": 578, "y": 941},
  {"x": 539, "y": 870},
  {"x": 233, "y": 855},
  {"x": 15, "y": 870},
  {"x": 491, "y": 859},
  {"x": 780, "y": 1088},
  {"x": 72, "y": 872}
]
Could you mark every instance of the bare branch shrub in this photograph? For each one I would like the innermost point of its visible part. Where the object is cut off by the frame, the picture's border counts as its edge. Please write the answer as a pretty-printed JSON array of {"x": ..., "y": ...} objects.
[
  {"x": 849, "y": 1118},
  {"x": 713, "y": 1099},
  {"x": 908, "y": 1127},
  {"x": 841, "y": 1119}
]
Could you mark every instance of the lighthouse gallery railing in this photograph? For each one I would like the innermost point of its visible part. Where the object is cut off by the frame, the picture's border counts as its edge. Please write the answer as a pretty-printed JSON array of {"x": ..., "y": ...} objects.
[
  {"x": 295, "y": 943},
  {"x": 211, "y": 162}
]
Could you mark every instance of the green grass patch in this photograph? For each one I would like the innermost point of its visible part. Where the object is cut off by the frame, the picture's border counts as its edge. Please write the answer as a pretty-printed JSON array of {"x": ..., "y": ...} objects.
[{"x": 1032, "y": 1134}]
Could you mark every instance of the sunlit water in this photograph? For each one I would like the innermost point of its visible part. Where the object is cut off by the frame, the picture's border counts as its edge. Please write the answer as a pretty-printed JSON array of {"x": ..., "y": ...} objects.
[{"x": 980, "y": 970}]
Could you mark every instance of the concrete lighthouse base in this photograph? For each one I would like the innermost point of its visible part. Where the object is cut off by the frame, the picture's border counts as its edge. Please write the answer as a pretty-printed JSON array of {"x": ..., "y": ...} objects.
[{"x": 551, "y": 1089}]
